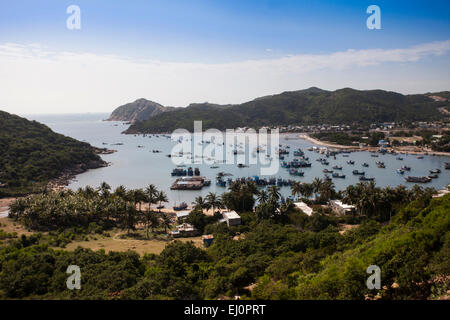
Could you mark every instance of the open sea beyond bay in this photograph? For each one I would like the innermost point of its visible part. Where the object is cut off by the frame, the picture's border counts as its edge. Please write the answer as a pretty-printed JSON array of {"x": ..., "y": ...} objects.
[{"x": 136, "y": 167}]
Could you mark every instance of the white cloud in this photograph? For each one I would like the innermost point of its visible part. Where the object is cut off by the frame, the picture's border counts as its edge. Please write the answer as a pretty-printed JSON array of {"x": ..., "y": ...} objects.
[{"x": 34, "y": 79}]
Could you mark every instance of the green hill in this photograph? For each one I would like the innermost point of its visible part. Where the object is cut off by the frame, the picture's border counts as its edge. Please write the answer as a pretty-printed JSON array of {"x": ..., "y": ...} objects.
[
  {"x": 31, "y": 154},
  {"x": 310, "y": 106},
  {"x": 413, "y": 253},
  {"x": 138, "y": 110}
]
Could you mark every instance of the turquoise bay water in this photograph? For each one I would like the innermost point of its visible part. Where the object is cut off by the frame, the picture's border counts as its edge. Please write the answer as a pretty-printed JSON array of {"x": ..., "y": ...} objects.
[{"x": 138, "y": 167}]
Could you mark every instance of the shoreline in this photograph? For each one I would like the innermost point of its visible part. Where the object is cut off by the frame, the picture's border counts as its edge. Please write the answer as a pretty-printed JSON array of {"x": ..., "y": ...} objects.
[{"x": 354, "y": 148}]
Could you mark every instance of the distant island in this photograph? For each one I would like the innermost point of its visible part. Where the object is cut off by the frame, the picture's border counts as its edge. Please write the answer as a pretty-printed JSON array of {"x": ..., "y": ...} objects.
[
  {"x": 304, "y": 107},
  {"x": 34, "y": 157}
]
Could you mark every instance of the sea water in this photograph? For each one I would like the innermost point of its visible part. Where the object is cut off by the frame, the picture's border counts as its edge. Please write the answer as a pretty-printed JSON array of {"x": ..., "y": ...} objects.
[{"x": 136, "y": 167}]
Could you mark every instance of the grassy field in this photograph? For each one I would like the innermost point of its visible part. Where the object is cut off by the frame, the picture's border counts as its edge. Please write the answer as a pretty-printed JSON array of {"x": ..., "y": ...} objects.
[
  {"x": 10, "y": 226},
  {"x": 115, "y": 243}
]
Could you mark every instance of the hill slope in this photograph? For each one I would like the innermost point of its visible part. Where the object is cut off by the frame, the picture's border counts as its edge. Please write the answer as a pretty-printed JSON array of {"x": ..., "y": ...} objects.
[
  {"x": 138, "y": 110},
  {"x": 310, "y": 106},
  {"x": 31, "y": 154}
]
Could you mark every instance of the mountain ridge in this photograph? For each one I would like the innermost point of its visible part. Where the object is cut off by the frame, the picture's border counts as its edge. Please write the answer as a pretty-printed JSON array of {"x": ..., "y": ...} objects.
[{"x": 301, "y": 107}]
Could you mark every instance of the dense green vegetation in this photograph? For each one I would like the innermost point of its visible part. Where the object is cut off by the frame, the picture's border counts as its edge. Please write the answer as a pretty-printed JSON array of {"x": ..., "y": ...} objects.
[
  {"x": 277, "y": 252},
  {"x": 91, "y": 209},
  {"x": 311, "y": 106},
  {"x": 31, "y": 154}
]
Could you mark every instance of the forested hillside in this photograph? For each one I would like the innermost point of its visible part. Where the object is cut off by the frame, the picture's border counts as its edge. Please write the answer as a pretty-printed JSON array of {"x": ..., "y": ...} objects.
[
  {"x": 311, "y": 106},
  {"x": 277, "y": 253},
  {"x": 31, "y": 154}
]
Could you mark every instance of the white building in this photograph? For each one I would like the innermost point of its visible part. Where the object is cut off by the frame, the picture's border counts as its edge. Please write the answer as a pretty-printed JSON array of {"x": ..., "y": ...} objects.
[
  {"x": 182, "y": 215},
  {"x": 232, "y": 218},
  {"x": 304, "y": 207},
  {"x": 341, "y": 208}
]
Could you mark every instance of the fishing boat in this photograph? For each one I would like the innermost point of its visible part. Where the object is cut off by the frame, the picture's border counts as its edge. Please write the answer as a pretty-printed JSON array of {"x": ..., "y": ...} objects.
[
  {"x": 357, "y": 172},
  {"x": 435, "y": 171},
  {"x": 447, "y": 166},
  {"x": 221, "y": 183},
  {"x": 400, "y": 171},
  {"x": 337, "y": 175},
  {"x": 351, "y": 162},
  {"x": 364, "y": 178},
  {"x": 380, "y": 164},
  {"x": 178, "y": 172},
  {"x": 418, "y": 179},
  {"x": 327, "y": 178},
  {"x": 327, "y": 171},
  {"x": 374, "y": 155},
  {"x": 181, "y": 206},
  {"x": 406, "y": 168},
  {"x": 295, "y": 172},
  {"x": 399, "y": 158},
  {"x": 365, "y": 164},
  {"x": 337, "y": 167},
  {"x": 433, "y": 176},
  {"x": 285, "y": 165},
  {"x": 419, "y": 157},
  {"x": 213, "y": 167}
]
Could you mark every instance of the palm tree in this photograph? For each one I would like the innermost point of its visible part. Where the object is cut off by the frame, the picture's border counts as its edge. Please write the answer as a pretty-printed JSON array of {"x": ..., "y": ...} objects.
[
  {"x": 121, "y": 192},
  {"x": 274, "y": 193},
  {"x": 165, "y": 221},
  {"x": 161, "y": 197},
  {"x": 151, "y": 190},
  {"x": 129, "y": 217},
  {"x": 263, "y": 196},
  {"x": 137, "y": 196},
  {"x": 213, "y": 201},
  {"x": 308, "y": 190},
  {"x": 104, "y": 189},
  {"x": 316, "y": 184},
  {"x": 297, "y": 189},
  {"x": 200, "y": 203},
  {"x": 326, "y": 190},
  {"x": 89, "y": 192}
]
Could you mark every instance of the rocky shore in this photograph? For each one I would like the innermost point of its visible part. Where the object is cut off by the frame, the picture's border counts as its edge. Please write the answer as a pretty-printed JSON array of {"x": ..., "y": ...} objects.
[{"x": 63, "y": 180}]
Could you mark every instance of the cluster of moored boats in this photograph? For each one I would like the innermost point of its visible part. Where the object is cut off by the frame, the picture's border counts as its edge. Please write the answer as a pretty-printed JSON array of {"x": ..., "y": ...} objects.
[
  {"x": 302, "y": 161},
  {"x": 180, "y": 172},
  {"x": 262, "y": 182}
]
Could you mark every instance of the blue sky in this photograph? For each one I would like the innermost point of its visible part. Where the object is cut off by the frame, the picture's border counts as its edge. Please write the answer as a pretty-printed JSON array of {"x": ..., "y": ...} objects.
[{"x": 222, "y": 32}]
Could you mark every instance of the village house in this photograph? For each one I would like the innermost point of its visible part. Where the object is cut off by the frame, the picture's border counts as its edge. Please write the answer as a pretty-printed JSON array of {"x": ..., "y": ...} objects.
[
  {"x": 341, "y": 208},
  {"x": 304, "y": 207},
  {"x": 231, "y": 218},
  {"x": 184, "y": 230},
  {"x": 182, "y": 216}
]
